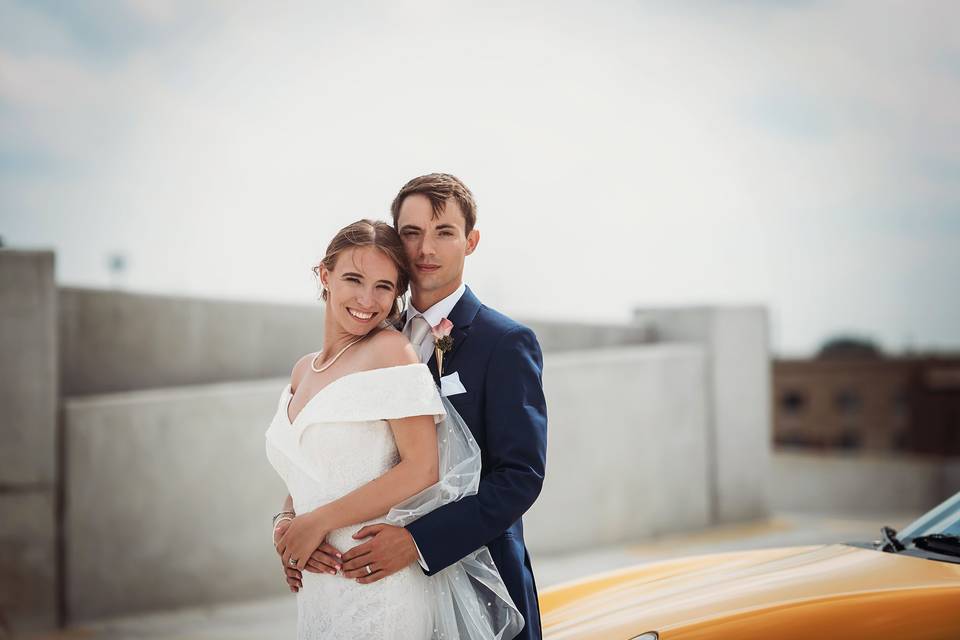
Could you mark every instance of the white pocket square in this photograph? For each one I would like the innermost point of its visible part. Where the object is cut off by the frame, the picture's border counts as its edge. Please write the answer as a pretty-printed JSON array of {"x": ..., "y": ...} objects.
[{"x": 450, "y": 385}]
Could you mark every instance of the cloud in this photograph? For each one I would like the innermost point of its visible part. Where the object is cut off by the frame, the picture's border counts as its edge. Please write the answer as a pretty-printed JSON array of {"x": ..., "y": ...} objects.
[
  {"x": 622, "y": 154},
  {"x": 791, "y": 116}
]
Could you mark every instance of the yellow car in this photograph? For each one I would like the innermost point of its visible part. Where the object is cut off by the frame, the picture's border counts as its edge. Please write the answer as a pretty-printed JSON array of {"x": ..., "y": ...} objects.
[{"x": 899, "y": 588}]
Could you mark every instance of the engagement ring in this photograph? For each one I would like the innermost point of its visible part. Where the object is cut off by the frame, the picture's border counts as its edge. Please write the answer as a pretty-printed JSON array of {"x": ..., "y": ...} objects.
[
  {"x": 292, "y": 562},
  {"x": 368, "y": 570}
]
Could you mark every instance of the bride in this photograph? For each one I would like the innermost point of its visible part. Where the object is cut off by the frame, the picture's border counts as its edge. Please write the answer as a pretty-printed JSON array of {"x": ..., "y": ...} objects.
[{"x": 362, "y": 435}]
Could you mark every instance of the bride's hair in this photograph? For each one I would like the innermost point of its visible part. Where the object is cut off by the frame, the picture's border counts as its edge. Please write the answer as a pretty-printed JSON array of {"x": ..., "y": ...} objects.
[{"x": 371, "y": 233}]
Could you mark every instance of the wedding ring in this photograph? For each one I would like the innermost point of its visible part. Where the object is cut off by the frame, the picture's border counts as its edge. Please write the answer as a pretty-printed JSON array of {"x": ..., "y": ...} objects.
[
  {"x": 292, "y": 562},
  {"x": 368, "y": 569}
]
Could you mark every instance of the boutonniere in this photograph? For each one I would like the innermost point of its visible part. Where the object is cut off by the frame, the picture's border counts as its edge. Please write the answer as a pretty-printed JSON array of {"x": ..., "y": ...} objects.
[{"x": 443, "y": 342}]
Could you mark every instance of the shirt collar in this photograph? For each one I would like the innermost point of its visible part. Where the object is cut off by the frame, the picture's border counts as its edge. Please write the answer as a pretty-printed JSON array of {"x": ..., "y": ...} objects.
[{"x": 441, "y": 310}]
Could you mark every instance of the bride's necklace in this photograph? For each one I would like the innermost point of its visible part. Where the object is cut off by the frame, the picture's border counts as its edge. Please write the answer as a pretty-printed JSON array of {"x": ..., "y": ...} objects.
[{"x": 313, "y": 363}]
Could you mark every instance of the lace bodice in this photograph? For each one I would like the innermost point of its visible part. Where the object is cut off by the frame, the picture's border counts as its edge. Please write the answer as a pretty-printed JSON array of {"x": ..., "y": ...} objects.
[{"x": 339, "y": 441}]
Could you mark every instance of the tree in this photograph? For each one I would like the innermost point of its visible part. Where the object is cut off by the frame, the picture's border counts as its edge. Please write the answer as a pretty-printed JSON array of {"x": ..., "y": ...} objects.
[{"x": 849, "y": 347}]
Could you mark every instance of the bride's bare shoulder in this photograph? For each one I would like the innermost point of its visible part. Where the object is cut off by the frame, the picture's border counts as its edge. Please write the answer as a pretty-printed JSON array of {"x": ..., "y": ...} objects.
[{"x": 390, "y": 348}]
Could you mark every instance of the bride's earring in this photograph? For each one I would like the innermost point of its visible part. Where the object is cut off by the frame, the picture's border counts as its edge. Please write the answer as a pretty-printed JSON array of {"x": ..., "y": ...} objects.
[{"x": 321, "y": 287}]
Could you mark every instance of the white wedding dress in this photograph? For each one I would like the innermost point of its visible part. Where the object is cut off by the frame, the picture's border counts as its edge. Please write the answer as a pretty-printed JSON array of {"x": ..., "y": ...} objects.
[{"x": 341, "y": 440}]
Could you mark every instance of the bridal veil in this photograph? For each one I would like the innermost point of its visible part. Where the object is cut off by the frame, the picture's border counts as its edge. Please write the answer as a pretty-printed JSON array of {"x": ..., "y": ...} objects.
[{"x": 472, "y": 600}]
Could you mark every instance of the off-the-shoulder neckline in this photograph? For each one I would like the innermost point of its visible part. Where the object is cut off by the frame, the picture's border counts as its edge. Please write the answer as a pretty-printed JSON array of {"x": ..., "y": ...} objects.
[{"x": 289, "y": 388}]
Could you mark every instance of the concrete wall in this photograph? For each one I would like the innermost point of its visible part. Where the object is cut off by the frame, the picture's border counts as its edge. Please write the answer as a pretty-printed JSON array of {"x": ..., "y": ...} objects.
[
  {"x": 738, "y": 396},
  {"x": 951, "y": 476},
  {"x": 555, "y": 337},
  {"x": 853, "y": 485},
  {"x": 169, "y": 497},
  {"x": 627, "y": 454},
  {"x": 169, "y": 493},
  {"x": 116, "y": 341},
  {"x": 28, "y": 453}
]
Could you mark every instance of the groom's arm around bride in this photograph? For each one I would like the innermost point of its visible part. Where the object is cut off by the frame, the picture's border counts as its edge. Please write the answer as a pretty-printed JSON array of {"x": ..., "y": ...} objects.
[{"x": 514, "y": 413}]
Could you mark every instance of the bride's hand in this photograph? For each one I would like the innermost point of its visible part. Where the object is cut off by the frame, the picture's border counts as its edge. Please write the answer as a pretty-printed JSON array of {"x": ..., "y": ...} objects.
[
  {"x": 279, "y": 530},
  {"x": 304, "y": 535}
]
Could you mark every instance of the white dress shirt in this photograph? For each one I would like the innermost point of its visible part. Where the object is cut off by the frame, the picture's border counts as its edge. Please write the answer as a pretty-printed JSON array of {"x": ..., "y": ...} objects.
[{"x": 433, "y": 316}]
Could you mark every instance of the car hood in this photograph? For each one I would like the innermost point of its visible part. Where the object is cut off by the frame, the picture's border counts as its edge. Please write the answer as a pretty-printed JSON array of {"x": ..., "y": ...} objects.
[{"x": 689, "y": 597}]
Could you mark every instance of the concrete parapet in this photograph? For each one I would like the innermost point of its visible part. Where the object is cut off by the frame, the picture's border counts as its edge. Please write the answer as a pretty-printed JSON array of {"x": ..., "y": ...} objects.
[
  {"x": 859, "y": 484},
  {"x": 28, "y": 562},
  {"x": 28, "y": 368},
  {"x": 115, "y": 341},
  {"x": 569, "y": 336},
  {"x": 950, "y": 480},
  {"x": 118, "y": 341},
  {"x": 627, "y": 455},
  {"x": 168, "y": 498},
  {"x": 28, "y": 437},
  {"x": 736, "y": 340}
]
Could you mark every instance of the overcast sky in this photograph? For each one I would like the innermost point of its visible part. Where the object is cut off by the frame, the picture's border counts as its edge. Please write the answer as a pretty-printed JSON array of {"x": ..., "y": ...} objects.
[{"x": 800, "y": 155}]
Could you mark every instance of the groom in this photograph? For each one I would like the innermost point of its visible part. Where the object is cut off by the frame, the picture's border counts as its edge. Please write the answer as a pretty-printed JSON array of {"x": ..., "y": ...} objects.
[{"x": 491, "y": 374}]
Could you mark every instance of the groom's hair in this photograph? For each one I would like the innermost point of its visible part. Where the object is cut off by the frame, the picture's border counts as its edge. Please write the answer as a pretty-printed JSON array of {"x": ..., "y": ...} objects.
[{"x": 438, "y": 189}]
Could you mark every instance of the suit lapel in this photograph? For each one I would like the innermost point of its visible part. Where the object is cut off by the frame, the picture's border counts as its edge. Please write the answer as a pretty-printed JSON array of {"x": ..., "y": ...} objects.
[{"x": 461, "y": 316}]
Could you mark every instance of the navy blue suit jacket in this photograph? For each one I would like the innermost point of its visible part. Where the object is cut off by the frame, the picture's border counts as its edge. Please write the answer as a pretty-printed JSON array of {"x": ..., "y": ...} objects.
[{"x": 499, "y": 363}]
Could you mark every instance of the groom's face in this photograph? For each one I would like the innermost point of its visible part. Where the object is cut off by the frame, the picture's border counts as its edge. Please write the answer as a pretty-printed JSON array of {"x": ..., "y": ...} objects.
[{"x": 436, "y": 245}]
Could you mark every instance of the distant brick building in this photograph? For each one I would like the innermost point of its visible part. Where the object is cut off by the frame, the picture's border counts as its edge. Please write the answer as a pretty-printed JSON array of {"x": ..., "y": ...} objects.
[{"x": 863, "y": 402}]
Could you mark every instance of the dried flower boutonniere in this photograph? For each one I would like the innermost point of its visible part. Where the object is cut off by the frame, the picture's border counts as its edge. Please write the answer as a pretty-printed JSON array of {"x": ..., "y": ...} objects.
[{"x": 443, "y": 342}]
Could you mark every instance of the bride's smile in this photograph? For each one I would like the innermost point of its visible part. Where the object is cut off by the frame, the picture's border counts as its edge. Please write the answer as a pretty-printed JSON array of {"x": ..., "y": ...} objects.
[
  {"x": 361, "y": 289},
  {"x": 360, "y": 315}
]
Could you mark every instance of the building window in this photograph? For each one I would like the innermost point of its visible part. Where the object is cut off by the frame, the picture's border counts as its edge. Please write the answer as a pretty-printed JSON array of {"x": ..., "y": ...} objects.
[
  {"x": 847, "y": 401},
  {"x": 793, "y": 402}
]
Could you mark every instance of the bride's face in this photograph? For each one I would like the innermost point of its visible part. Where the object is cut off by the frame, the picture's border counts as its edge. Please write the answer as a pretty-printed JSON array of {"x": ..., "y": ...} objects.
[{"x": 361, "y": 289}]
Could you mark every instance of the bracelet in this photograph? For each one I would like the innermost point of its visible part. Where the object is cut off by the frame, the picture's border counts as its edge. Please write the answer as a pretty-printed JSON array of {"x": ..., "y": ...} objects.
[
  {"x": 292, "y": 514},
  {"x": 275, "y": 525},
  {"x": 281, "y": 519}
]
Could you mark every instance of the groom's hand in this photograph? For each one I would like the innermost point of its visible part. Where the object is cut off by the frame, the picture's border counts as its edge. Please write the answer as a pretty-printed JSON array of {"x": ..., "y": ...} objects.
[{"x": 389, "y": 549}]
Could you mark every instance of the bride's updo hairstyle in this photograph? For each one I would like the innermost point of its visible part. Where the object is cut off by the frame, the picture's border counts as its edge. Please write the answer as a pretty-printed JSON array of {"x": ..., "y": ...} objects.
[{"x": 371, "y": 233}]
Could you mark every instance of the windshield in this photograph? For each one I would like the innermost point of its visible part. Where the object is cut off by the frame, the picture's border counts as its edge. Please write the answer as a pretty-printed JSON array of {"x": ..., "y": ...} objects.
[{"x": 945, "y": 518}]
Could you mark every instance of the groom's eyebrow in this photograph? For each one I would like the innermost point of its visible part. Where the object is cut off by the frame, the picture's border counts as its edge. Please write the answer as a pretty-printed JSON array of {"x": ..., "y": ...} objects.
[{"x": 409, "y": 227}]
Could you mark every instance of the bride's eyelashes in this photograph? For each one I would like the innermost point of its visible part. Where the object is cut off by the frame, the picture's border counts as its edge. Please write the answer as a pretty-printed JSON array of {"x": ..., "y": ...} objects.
[{"x": 385, "y": 286}]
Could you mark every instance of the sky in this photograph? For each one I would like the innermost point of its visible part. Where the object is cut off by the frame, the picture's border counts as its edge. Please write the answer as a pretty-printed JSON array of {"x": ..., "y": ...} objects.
[{"x": 800, "y": 155}]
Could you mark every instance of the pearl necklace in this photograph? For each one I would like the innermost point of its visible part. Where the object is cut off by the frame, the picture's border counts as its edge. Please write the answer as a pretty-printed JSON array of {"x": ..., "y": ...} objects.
[{"x": 313, "y": 363}]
